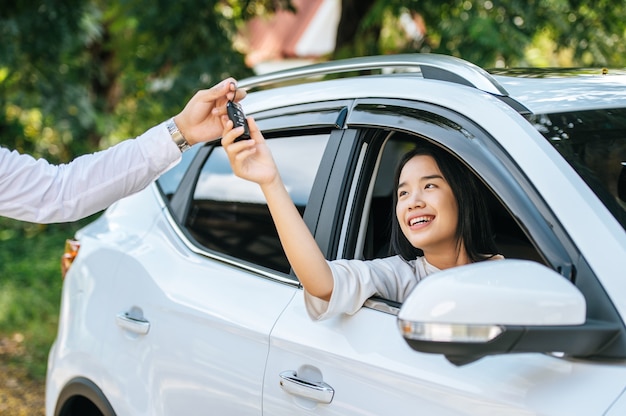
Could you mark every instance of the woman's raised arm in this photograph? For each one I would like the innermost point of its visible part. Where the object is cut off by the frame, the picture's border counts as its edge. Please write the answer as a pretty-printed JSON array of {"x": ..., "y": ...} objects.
[{"x": 252, "y": 160}]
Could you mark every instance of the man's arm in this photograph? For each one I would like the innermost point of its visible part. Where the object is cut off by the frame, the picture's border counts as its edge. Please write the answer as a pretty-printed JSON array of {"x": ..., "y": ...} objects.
[{"x": 36, "y": 191}]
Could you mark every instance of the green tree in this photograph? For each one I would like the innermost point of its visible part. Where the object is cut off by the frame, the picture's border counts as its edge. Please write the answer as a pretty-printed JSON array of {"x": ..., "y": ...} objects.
[
  {"x": 82, "y": 74},
  {"x": 34, "y": 40},
  {"x": 493, "y": 32}
]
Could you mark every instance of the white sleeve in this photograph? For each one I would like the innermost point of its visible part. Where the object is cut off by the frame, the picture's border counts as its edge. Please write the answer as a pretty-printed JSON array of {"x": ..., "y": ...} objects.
[
  {"x": 36, "y": 191},
  {"x": 355, "y": 281}
]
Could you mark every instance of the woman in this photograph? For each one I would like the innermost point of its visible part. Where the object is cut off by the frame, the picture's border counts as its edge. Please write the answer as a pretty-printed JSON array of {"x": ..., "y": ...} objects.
[{"x": 441, "y": 222}]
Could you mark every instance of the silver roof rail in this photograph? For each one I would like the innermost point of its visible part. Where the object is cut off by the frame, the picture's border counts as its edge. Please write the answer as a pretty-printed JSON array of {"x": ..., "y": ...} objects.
[{"x": 431, "y": 66}]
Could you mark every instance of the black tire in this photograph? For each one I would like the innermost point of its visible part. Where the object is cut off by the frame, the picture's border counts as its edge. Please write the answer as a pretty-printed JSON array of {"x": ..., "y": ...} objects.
[{"x": 81, "y": 397}]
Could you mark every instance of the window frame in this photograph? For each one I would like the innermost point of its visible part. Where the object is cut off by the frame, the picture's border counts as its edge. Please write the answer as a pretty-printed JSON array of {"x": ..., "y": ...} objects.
[
  {"x": 482, "y": 154},
  {"x": 298, "y": 120}
]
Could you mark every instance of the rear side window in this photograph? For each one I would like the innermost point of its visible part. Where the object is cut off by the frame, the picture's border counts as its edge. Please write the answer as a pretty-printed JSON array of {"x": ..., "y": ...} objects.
[
  {"x": 229, "y": 215},
  {"x": 170, "y": 180},
  {"x": 594, "y": 144}
]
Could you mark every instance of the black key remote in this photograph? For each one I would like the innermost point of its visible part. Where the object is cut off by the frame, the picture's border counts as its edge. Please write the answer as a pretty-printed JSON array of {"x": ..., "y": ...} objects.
[{"x": 235, "y": 113}]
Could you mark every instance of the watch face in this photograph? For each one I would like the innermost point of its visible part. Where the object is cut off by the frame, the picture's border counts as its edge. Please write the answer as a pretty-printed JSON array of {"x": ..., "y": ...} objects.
[{"x": 172, "y": 128}]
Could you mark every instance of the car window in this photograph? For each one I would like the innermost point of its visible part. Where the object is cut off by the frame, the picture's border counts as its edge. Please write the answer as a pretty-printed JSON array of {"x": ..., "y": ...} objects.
[
  {"x": 377, "y": 211},
  {"x": 594, "y": 143},
  {"x": 229, "y": 215},
  {"x": 525, "y": 227},
  {"x": 510, "y": 238}
]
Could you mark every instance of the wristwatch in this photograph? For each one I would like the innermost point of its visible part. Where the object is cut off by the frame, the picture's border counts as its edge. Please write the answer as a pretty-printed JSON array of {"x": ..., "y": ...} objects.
[{"x": 177, "y": 136}]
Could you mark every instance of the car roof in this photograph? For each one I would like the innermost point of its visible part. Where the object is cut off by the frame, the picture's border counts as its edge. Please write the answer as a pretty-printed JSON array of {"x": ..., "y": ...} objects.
[
  {"x": 539, "y": 91},
  {"x": 566, "y": 93}
]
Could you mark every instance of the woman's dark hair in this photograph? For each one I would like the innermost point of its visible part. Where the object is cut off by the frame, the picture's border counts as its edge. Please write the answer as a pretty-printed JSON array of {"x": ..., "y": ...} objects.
[{"x": 474, "y": 225}]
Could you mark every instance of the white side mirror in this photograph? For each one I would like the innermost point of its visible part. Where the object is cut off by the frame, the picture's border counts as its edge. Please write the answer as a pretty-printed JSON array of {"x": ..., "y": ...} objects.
[{"x": 457, "y": 311}]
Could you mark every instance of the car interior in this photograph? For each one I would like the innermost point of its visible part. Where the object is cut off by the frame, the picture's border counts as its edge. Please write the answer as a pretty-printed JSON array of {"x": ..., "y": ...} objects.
[{"x": 510, "y": 238}]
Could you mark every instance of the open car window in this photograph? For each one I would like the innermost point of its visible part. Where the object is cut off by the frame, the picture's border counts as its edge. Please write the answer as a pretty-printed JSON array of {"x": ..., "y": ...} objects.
[
  {"x": 379, "y": 212},
  {"x": 510, "y": 238}
]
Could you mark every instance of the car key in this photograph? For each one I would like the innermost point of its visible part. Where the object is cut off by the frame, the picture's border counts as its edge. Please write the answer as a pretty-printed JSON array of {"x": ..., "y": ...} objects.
[{"x": 236, "y": 114}]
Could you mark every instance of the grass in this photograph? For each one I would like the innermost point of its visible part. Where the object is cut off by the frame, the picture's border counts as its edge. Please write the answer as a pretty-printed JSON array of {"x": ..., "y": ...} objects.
[{"x": 30, "y": 289}]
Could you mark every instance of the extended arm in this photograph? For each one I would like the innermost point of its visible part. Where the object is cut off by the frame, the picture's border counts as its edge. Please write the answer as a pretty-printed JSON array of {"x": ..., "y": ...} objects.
[
  {"x": 36, "y": 191},
  {"x": 252, "y": 160}
]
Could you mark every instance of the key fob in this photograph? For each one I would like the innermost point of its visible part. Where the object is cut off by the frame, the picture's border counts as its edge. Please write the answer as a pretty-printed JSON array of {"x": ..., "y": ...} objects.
[{"x": 235, "y": 113}]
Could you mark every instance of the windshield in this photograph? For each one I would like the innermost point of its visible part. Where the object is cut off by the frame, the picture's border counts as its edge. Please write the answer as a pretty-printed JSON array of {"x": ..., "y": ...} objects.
[{"x": 594, "y": 144}]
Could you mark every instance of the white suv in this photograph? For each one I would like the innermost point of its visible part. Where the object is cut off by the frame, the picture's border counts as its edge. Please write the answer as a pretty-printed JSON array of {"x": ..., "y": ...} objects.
[{"x": 181, "y": 301}]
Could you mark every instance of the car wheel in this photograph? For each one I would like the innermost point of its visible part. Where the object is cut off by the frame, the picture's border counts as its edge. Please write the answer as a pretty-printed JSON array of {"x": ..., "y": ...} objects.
[{"x": 82, "y": 397}]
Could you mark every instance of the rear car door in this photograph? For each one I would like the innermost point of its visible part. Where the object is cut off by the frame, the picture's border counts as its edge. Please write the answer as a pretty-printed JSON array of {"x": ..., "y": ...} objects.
[
  {"x": 212, "y": 300},
  {"x": 360, "y": 364}
]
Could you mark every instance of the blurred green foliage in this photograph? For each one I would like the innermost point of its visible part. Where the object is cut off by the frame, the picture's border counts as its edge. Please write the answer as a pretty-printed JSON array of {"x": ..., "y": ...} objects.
[
  {"x": 30, "y": 288},
  {"x": 79, "y": 75},
  {"x": 495, "y": 33}
]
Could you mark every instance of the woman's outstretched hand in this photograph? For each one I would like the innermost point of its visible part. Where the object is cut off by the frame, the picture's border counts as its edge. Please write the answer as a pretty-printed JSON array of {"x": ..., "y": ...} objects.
[{"x": 250, "y": 159}]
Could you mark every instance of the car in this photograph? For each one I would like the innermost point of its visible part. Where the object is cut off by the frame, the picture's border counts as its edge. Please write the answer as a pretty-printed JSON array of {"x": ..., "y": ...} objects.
[{"x": 180, "y": 300}]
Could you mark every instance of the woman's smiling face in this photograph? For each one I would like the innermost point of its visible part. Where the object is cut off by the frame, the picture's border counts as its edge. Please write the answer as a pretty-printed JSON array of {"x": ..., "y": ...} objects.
[{"x": 427, "y": 209}]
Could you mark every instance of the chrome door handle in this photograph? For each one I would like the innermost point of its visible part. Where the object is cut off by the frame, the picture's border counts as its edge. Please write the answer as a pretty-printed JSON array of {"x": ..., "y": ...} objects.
[
  {"x": 138, "y": 326},
  {"x": 314, "y": 390}
]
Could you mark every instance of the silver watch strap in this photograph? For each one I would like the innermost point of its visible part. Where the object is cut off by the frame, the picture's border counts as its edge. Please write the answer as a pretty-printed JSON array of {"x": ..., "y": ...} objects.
[{"x": 177, "y": 136}]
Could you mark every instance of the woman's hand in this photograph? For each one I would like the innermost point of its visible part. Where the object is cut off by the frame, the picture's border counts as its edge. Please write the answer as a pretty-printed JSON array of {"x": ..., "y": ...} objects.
[{"x": 250, "y": 159}]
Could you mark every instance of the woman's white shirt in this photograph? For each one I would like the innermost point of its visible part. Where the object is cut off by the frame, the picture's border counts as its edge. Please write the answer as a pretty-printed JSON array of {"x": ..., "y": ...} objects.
[{"x": 355, "y": 281}]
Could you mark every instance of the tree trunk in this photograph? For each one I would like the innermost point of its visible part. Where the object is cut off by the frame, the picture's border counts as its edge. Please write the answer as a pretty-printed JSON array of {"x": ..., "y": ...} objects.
[{"x": 352, "y": 14}]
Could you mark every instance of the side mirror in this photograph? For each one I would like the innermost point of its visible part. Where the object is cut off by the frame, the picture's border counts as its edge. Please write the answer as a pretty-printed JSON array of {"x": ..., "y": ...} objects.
[{"x": 497, "y": 307}]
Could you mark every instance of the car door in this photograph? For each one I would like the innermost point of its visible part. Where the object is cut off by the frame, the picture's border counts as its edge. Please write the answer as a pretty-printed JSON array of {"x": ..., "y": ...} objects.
[
  {"x": 190, "y": 326},
  {"x": 198, "y": 295},
  {"x": 360, "y": 364}
]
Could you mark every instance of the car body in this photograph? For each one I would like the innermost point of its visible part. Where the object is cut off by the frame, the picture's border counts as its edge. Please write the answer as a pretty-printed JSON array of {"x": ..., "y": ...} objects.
[{"x": 181, "y": 301}]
